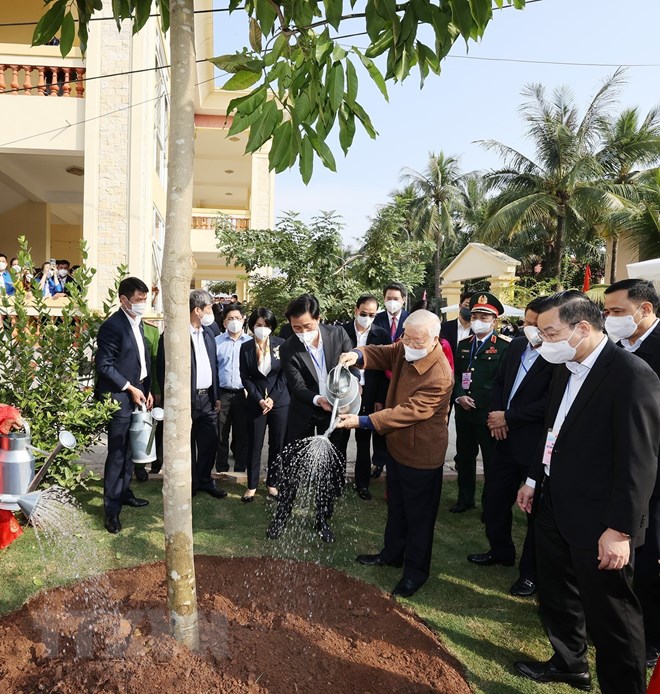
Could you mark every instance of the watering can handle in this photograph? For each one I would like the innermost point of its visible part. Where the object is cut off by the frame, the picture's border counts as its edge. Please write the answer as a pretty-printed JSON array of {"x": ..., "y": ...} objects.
[{"x": 26, "y": 428}]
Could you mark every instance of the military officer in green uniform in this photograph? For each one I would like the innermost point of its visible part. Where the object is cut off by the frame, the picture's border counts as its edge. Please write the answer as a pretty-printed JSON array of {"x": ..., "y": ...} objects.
[{"x": 477, "y": 360}]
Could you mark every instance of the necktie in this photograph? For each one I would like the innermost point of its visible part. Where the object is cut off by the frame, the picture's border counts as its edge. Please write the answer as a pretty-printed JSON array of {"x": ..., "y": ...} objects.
[
  {"x": 479, "y": 343},
  {"x": 393, "y": 328}
]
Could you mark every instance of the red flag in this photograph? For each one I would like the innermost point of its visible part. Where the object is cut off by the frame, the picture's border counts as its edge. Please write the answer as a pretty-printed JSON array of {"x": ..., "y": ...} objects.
[
  {"x": 587, "y": 279},
  {"x": 654, "y": 684}
]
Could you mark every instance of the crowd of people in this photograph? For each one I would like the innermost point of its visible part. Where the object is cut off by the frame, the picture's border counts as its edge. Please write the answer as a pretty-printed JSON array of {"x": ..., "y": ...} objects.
[
  {"x": 51, "y": 281},
  {"x": 566, "y": 416}
]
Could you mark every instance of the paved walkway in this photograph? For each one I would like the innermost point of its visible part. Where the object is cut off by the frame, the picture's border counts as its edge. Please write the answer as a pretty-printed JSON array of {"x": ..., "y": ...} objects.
[{"x": 94, "y": 459}]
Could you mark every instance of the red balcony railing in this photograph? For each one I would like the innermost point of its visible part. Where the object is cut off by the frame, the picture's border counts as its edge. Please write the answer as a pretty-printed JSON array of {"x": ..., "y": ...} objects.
[{"x": 42, "y": 80}]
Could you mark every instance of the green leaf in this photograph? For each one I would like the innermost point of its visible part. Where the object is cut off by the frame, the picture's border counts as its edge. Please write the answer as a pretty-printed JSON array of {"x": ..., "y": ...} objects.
[
  {"x": 321, "y": 148},
  {"x": 280, "y": 47},
  {"x": 67, "y": 34},
  {"x": 233, "y": 62},
  {"x": 259, "y": 134},
  {"x": 461, "y": 16},
  {"x": 323, "y": 48},
  {"x": 346, "y": 129},
  {"x": 255, "y": 35},
  {"x": 37, "y": 581},
  {"x": 249, "y": 102},
  {"x": 48, "y": 25},
  {"x": 335, "y": 86},
  {"x": 242, "y": 121},
  {"x": 241, "y": 80},
  {"x": 302, "y": 107},
  {"x": 374, "y": 73},
  {"x": 364, "y": 119},
  {"x": 142, "y": 12},
  {"x": 333, "y": 9},
  {"x": 266, "y": 15},
  {"x": 280, "y": 151},
  {"x": 351, "y": 82},
  {"x": 306, "y": 162},
  {"x": 164, "y": 6},
  {"x": 338, "y": 53},
  {"x": 482, "y": 12}
]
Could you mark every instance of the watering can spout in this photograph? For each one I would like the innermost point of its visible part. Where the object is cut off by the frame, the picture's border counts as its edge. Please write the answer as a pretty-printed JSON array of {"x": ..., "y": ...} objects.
[{"x": 25, "y": 502}]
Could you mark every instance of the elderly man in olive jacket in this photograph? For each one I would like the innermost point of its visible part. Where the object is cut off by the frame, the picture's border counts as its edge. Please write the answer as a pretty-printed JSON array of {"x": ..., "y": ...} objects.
[{"x": 414, "y": 422}]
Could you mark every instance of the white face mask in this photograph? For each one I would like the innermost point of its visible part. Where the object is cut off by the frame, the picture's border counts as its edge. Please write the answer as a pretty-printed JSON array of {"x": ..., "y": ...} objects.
[
  {"x": 51, "y": 273},
  {"x": 532, "y": 335},
  {"x": 480, "y": 327},
  {"x": 16, "y": 268},
  {"x": 207, "y": 319},
  {"x": 559, "y": 352},
  {"x": 235, "y": 325},
  {"x": 393, "y": 306},
  {"x": 365, "y": 321},
  {"x": 261, "y": 332},
  {"x": 62, "y": 272},
  {"x": 413, "y": 353},
  {"x": 3, "y": 266},
  {"x": 139, "y": 309},
  {"x": 621, "y": 327},
  {"x": 308, "y": 337}
]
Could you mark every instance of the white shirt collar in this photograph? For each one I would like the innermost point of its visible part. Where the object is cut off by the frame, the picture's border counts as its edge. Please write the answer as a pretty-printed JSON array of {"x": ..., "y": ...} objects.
[
  {"x": 625, "y": 343},
  {"x": 581, "y": 369}
]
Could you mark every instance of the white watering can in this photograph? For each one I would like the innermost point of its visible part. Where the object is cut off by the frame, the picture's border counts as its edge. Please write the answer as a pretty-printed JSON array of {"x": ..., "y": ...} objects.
[{"x": 142, "y": 433}]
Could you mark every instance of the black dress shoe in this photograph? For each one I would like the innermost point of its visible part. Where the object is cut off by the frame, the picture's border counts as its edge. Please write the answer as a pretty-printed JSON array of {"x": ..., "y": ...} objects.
[
  {"x": 112, "y": 524},
  {"x": 240, "y": 469},
  {"x": 135, "y": 502},
  {"x": 523, "y": 588},
  {"x": 547, "y": 672},
  {"x": 404, "y": 588},
  {"x": 488, "y": 559},
  {"x": 155, "y": 468},
  {"x": 460, "y": 507},
  {"x": 141, "y": 474},
  {"x": 376, "y": 471},
  {"x": 325, "y": 532},
  {"x": 214, "y": 491},
  {"x": 363, "y": 493},
  {"x": 376, "y": 560},
  {"x": 247, "y": 499}
]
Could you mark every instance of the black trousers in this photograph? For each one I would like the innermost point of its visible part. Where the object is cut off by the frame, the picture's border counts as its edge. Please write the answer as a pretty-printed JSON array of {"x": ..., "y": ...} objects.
[
  {"x": 413, "y": 497},
  {"x": 501, "y": 488},
  {"x": 363, "y": 438},
  {"x": 381, "y": 454},
  {"x": 118, "y": 464},
  {"x": 275, "y": 421},
  {"x": 471, "y": 435},
  {"x": 203, "y": 441},
  {"x": 232, "y": 419},
  {"x": 647, "y": 575},
  {"x": 575, "y": 597}
]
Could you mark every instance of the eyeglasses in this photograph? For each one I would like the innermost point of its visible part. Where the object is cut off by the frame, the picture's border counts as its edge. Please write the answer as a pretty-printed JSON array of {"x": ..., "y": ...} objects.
[
  {"x": 415, "y": 344},
  {"x": 552, "y": 336}
]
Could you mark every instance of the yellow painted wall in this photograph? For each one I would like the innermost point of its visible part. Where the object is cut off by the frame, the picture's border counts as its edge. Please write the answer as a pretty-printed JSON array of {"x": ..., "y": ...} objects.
[
  {"x": 32, "y": 220},
  {"x": 21, "y": 11},
  {"x": 65, "y": 242}
]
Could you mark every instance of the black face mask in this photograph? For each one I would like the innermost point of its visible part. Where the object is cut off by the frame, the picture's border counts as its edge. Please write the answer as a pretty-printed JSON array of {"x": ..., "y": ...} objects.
[{"x": 465, "y": 313}]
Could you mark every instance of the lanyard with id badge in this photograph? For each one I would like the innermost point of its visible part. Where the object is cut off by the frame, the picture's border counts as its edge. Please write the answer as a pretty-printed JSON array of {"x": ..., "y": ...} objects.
[{"x": 466, "y": 376}]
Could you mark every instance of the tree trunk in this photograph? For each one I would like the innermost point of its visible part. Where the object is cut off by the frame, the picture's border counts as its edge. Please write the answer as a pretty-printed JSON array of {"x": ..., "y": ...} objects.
[
  {"x": 559, "y": 248},
  {"x": 177, "y": 274},
  {"x": 614, "y": 259},
  {"x": 436, "y": 274}
]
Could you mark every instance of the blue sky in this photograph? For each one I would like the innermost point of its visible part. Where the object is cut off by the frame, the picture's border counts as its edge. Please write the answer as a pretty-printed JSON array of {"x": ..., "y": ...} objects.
[{"x": 474, "y": 99}]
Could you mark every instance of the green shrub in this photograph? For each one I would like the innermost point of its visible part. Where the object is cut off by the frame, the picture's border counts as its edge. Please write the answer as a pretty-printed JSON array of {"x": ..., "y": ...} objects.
[{"x": 46, "y": 368}]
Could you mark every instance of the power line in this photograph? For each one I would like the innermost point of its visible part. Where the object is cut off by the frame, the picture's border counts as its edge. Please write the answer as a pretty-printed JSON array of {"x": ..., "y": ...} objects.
[{"x": 550, "y": 62}]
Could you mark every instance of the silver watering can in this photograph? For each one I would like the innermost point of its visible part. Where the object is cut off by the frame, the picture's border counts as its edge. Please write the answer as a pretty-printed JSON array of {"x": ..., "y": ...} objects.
[
  {"x": 17, "y": 479},
  {"x": 142, "y": 433}
]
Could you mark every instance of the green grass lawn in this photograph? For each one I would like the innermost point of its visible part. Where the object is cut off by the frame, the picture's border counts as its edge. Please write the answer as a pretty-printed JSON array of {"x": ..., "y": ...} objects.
[{"x": 468, "y": 606}]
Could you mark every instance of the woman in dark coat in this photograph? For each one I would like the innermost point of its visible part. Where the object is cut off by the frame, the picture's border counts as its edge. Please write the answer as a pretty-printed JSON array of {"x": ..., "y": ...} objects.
[{"x": 267, "y": 401}]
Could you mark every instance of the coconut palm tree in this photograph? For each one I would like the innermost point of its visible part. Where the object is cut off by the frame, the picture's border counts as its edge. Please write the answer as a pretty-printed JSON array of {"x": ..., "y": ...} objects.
[
  {"x": 629, "y": 146},
  {"x": 437, "y": 199},
  {"x": 643, "y": 227},
  {"x": 562, "y": 190}
]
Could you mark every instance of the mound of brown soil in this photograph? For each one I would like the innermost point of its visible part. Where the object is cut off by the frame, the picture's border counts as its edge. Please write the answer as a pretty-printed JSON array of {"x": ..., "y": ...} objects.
[{"x": 266, "y": 626}]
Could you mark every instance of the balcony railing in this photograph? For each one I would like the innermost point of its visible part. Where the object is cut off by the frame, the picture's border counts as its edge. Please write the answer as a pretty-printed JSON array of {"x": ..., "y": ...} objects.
[
  {"x": 42, "y": 80},
  {"x": 207, "y": 221}
]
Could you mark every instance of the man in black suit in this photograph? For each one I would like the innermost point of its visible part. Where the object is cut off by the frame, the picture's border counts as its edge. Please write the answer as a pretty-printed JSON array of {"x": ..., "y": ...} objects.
[
  {"x": 123, "y": 370},
  {"x": 517, "y": 413},
  {"x": 591, "y": 487},
  {"x": 459, "y": 328},
  {"x": 630, "y": 309},
  {"x": 391, "y": 320},
  {"x": 307, "y": 358},
  {"x": 205, "y": 399},
  {"x": 363, "y": 331}
]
